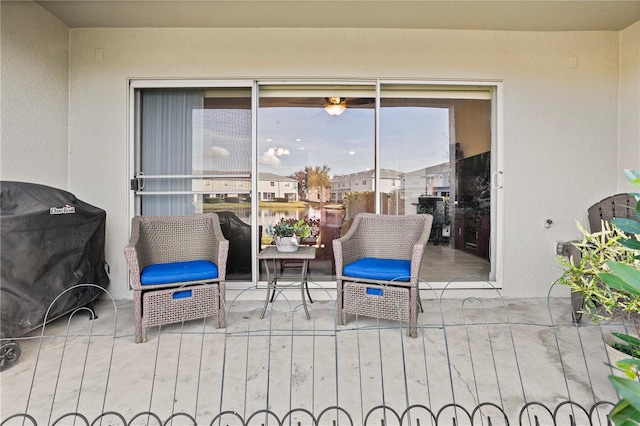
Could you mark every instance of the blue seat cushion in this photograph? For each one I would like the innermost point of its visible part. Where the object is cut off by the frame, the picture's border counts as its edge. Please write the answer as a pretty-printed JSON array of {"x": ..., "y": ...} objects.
[
  {"x": 379, "y": 269},
  {"x": 176, "y": 272}
]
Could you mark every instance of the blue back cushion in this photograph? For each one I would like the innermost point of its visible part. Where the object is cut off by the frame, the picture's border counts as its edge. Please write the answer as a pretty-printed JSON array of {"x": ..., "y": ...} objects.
[
  {"x": 379, "y": 269},
  {"x": 176, "y": 272}
]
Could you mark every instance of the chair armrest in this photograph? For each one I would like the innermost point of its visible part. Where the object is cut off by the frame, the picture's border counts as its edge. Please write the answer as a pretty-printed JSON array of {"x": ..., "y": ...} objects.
[
  {"x": 220, "y": 247},
  {"x": 221, "y": 255},
  {"x": 416, "y": 257},
  {"x": 345, "y": 250},
  {"x": 419, "y": 246},
  {"x": 349, "y": 245},
  {"x": 337, "y": 256},
  {"x": 131, "y": 255}
]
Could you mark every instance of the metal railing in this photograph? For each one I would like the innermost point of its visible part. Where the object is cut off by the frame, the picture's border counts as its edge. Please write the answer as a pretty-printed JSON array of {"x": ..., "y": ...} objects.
[{"x": 476, "y": 361}]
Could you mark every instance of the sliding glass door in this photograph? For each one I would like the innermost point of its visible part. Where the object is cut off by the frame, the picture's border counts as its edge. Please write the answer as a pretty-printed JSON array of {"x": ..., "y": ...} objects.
[{"x": 260, "y": 152}]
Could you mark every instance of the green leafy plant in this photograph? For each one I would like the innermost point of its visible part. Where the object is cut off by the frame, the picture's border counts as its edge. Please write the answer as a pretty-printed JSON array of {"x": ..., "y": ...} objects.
[
  {"x": 584, "y": 275},
  {"x": 289, "y": 228},
  {"x": 627, "y": 410},
  {"x": 607, "y": 275},
  {"x": 625, "y": 278}
]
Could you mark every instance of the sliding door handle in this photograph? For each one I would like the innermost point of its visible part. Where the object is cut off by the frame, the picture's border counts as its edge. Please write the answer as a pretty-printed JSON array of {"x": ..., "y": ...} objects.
[{"x": 496, "y": 180}]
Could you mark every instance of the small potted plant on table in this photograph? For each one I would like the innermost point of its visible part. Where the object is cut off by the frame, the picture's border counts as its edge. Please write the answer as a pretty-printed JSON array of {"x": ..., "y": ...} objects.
[{"x": 287, "y": 233}]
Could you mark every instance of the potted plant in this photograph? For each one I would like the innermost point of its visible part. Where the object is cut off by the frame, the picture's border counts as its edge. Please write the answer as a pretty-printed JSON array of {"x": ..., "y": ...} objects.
[
  {"x": 626, "y": 278},
  {"x": 287, "y": 233},
  {"x": 605, "y": 257}
]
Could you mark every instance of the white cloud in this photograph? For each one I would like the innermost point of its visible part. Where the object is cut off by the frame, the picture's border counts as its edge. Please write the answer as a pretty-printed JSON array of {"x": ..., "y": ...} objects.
[
  {"x": 270, "y": 158},
  {"x": 218, "y": 151}
]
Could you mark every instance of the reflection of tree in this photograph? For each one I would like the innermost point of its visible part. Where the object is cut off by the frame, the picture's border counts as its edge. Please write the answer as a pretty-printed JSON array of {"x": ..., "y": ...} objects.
[
  {"x": 312, "y": 178},
  {"x": 301, "y": 177}
]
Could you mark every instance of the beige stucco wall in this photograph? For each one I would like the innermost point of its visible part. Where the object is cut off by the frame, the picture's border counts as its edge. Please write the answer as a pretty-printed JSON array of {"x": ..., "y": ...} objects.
[
  {"x": 560, "y": 124},
  {"x": 34, "y": 82},
  {"x": 629, "y": 153}
]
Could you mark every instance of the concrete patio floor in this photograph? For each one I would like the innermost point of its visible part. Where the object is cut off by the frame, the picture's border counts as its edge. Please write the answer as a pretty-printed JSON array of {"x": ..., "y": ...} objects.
[{"x": 475, "y": 361}]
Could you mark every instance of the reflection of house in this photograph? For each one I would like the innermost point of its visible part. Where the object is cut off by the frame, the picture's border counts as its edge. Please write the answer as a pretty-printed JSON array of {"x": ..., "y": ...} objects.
[
  {"x": 272, "y": 186},
  {"x": 222, "y": 188},
  {"x": 363, "y": 182},
  {"x": 430, "y": 181}
]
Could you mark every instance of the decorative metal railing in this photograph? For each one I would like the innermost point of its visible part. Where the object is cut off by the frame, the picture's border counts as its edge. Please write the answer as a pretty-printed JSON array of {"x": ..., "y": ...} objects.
[{"x": 476, "y": 361}]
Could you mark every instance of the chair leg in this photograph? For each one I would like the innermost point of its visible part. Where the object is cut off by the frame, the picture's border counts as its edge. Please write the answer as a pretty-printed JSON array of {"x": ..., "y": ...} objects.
[
  {"x": 412, "y": 331},
  {"x": 413, "y": 312},
  {"x": 342, "y": 317},
  {"x": 222, "y": 306},
  {"x": 221, "y": 321},
  {"x": 141, "y": 335}
]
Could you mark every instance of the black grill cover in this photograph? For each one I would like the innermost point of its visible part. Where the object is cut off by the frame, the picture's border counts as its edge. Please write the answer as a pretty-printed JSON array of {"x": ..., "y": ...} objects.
[{"x": 49, "y": 241}]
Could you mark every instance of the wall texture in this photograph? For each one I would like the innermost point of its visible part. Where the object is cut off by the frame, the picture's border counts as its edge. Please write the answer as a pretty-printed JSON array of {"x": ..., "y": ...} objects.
[
  {"x": 559, "y": 127},
  {"x": 556, "y": 118},
  {"x": 34, "y": 68},
  {"x": 629, "y": 152}
]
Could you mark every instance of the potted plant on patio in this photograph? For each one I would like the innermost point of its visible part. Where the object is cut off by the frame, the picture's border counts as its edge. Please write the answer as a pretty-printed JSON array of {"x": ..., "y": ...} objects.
[
  {"x": 627, "y": 410},
  {"x": 605, "y": 257},
  {"x": 287, "y": 233},
  {"x": 626, "y": 277}
]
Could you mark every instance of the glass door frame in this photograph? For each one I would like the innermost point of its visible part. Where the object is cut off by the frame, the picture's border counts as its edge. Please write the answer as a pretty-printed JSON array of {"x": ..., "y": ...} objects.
[{"x": 497, "y": 156}]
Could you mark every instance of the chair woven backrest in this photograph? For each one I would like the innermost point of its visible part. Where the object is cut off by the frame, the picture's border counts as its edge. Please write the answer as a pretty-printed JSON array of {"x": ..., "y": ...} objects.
[
  {"x": 619, "y": 205},
  {"x": 175, "y": 238},
  {"x": 386, "y": 236}
]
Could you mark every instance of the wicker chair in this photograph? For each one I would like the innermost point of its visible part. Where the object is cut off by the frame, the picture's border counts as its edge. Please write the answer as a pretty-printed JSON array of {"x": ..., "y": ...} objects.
[
  {"x": 377, "y": 266},
  {"x": 177, "y": 266}
]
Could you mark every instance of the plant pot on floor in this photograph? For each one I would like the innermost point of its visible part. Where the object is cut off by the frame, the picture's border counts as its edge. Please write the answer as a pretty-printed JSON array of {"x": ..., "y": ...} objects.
[{"x": 614, "y": 354}]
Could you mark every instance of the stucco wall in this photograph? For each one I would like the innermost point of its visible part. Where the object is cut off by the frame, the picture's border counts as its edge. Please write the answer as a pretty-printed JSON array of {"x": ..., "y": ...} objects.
[
  {"x": 34, "y": 70},
  {"x": 560, "y": 124},
  {"x": 629, "y": 153}
]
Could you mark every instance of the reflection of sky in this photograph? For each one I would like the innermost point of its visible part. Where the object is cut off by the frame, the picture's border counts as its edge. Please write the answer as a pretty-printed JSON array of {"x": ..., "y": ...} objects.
[
  {"x": 412, "y": 138},
  {"x": 221, "y": 140},
  {"x": 289, "y": 139},
  {"x": 314, "y": 138}
]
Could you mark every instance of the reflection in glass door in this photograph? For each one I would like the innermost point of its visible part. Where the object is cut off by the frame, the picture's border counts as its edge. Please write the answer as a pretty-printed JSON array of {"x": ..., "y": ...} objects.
[
  {"x": 439, "y": 147},
  {"x": 316, "y": 151},
  {"x": 194, "y": 156}
]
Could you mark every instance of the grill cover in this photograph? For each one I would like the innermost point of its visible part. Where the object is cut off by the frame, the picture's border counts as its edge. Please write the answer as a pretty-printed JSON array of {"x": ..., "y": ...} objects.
[{"x": 49, "y": 242}]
